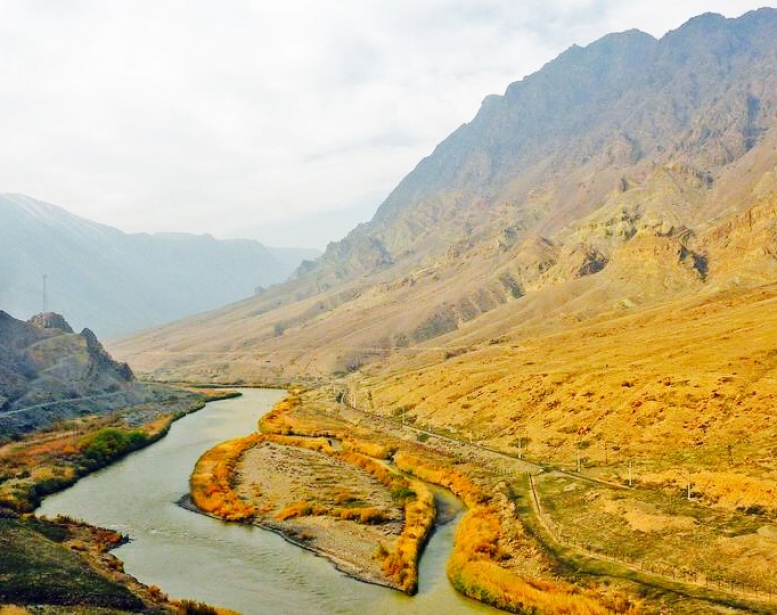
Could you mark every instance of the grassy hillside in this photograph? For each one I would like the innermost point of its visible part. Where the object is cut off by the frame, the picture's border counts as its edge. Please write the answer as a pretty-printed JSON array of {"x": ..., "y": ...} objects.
[
  {"x": 687, "y": 386},
  {"x": 39, "y": 567}
]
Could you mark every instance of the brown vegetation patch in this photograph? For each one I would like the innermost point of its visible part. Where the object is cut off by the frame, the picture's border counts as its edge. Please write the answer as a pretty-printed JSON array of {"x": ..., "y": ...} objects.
[
  {"x": 641, "y": 519},
  {"x": 283, "y": 480},
  {"x": 211, "y": 481}
]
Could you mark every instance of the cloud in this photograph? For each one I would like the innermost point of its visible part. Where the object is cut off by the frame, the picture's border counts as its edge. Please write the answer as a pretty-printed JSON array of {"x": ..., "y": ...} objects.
[{"x": 232, "y": 118}]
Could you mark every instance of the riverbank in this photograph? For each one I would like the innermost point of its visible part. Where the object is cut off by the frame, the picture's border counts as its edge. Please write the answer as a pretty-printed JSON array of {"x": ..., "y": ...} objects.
[
  {"x": 350, "y": 508},
  {"x": 292, "y": 474},
  {"x": 500, "y": 557},
  {"x": 64, "y": 563},
  {"x": 239, "y": 566},
  {"x": 53, "y": 459},
  {"x": 337, "y": 553},
  {"x": 66, "y": 566}
]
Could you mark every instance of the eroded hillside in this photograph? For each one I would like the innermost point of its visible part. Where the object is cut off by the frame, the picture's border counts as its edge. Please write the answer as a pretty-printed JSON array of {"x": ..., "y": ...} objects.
[{"x": 628, "y": 173}]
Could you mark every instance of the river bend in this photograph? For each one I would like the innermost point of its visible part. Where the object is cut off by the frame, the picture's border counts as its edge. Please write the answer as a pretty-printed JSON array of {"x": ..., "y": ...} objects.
[{"x": 244, "y": 568}]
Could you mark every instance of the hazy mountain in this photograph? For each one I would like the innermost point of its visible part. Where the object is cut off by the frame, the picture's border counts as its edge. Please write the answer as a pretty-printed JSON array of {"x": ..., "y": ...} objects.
[
  {"x": 118, "y": 282},
  {"x": 631, "y": 171}
]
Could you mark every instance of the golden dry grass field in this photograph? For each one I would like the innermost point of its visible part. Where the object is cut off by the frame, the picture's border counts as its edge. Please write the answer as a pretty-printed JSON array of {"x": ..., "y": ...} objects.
[
  {"x": 661, "y": 420},
  {"x": 534, "y": 538},
  {"x": 688, "y": 386}
]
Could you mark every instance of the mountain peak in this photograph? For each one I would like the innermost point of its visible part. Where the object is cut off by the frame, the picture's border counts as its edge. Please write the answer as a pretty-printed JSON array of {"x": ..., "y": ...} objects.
[
  {"x": 50, "y": 320},
  {"x": 705, "y": 20}
]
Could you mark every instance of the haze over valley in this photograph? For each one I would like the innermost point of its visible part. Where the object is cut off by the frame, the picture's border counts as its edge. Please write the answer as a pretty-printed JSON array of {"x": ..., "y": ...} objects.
[
  {"x": 114, "y": 282},
  {"x": 557, "y": 334}
]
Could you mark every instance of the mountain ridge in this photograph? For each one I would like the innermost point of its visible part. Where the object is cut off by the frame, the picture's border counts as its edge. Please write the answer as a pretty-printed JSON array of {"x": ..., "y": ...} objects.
[
  {"x": 613, "y": 170},
  {"x": 119, "y": 282}
]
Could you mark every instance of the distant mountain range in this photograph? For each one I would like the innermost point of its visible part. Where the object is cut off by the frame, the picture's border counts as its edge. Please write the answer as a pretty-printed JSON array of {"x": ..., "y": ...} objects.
[
  {"x": 116, "y": 282},
  {"x": 631, "y": 171}
]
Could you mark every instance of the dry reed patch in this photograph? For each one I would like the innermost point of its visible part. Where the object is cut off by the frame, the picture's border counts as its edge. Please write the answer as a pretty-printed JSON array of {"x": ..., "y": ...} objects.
[
  {"x": 401, "y": 564},
  {"x": 461, "y": 486},
  {"x": 276, "y": 421},
  {"x": 292, "y": 481},
  {"x": 376, "y": 450},
  {"x": 319, "y": 445},
  {"x": 210, "y": 484},
  {"x": 474, "y": 571},
  {"x": 291, "y": 416}
]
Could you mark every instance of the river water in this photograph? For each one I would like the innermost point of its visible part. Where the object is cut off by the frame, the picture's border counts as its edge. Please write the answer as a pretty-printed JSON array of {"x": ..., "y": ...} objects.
[{"x": 244, "y": 568}]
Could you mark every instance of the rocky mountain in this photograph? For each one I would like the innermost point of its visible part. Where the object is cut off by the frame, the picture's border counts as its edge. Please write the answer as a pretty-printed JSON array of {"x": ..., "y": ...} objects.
[
  {"x": 48, "y": 372},
  {"x": 628, "y": 172},
  {"x": 118, "y": 282}
]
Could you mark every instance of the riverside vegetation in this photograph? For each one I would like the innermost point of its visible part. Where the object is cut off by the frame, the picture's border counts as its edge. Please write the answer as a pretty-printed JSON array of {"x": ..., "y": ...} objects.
[
  {"x": 63, "y": 563},
  {"x": 532, "y": 540},
  {"x": 49, "y": 460},
  {"x": 348, "y": 500},
  {"x": 488, "y": 563}
]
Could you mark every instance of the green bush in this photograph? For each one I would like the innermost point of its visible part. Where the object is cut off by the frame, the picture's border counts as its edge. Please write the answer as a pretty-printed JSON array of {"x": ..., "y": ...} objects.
[
  {"x": 401, "y": 492},
  {"x": 110, "y": 443}
]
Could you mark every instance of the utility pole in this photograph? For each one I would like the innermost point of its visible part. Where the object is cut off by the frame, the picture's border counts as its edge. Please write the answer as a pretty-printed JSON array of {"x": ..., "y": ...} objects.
[{"x": 630, "y": 484}]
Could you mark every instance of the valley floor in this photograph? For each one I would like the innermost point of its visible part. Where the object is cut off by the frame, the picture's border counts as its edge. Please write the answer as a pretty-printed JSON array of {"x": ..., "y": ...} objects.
[{"x": 536, "y": 536}]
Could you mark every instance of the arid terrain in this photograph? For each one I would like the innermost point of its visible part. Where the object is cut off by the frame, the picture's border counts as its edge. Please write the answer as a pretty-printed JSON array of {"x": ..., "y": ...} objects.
[
  {"x": 565, "y": 315},
  {"x": 537, "y": 535}
]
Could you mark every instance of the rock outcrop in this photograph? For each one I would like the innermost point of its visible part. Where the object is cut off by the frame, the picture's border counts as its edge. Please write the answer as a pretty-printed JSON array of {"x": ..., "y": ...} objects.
[{"x": 48, "y": 373}]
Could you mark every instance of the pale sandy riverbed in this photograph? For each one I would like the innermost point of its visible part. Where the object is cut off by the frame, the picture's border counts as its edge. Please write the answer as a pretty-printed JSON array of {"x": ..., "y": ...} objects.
[{"x": 274, "y": 476}]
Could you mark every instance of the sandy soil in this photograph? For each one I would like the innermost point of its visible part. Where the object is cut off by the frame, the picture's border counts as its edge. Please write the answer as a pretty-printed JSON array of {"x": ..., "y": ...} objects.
[{"x": 273, "y": 476}]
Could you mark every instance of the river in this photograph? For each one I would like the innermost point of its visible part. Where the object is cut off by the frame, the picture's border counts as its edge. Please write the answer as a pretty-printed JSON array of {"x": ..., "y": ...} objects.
[{"x": 244, "y": 568}]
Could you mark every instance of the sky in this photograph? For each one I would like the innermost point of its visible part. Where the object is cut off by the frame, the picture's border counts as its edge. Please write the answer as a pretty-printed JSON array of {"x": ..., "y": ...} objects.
[{"x": 287, "y": 122}]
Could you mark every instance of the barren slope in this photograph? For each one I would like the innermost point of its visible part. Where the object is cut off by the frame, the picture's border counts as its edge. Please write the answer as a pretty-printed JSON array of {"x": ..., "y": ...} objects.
[{"x": 630, "y": 172}]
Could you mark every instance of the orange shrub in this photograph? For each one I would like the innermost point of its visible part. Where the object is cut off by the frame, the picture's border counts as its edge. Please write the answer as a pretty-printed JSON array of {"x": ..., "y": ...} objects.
[
  {"x": 210, "y": 484},
  {"x": 470, "y": 493},
  {"x": 371, "y": 449},
  {"x": 319, "y": 445},
  {"x": 275, "y": 422},
  {"x": 473, "y": 570}
]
